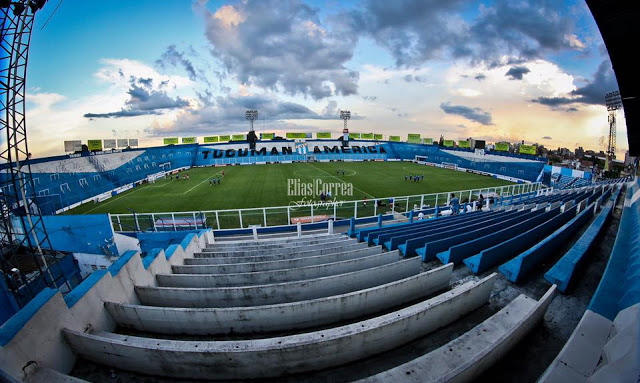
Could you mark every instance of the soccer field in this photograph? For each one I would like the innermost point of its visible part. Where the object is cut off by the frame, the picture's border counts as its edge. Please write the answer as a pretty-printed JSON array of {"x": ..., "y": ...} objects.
[{"x": 272, "y": 184}]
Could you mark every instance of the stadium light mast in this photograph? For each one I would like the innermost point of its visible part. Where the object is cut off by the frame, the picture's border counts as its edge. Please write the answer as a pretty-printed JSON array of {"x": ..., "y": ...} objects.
[
  {"x": 613, "y": 102},
  {"x": 345, "y": 115},
  {"x": 251, "y": 115}
]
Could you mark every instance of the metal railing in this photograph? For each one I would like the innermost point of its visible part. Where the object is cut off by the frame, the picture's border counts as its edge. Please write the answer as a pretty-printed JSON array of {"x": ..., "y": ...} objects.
[{"x": 307, "y": 212}]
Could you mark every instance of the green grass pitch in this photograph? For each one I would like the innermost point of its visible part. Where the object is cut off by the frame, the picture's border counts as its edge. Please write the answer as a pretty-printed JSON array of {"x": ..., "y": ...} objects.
[{"x": 267, "y": 185}]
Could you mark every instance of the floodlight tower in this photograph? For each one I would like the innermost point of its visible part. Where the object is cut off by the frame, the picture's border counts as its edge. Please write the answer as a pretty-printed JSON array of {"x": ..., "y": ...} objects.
[
  {"x": 26, "y": 255},
  {"x": 251, "y": 115},
  {"x": 613, "y": 102},
  {"x": 345, "y": 115}
]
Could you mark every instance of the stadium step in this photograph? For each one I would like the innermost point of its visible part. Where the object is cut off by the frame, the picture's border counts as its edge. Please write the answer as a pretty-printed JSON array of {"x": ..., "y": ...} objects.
[
  {"x": 275, "y": 276},
  {"x": 466, "y": 357},
  {"x": 280, "y": 317},
  {"x": 304, "y": 252},
  {"x": 279, "y": 292},
  {"x": 211, "y": 267},
  {"x": 272, "y": 357}
]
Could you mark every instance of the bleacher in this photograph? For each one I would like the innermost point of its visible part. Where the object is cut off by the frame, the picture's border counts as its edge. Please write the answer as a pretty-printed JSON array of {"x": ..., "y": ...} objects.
[{"x": 292, "y": 304}]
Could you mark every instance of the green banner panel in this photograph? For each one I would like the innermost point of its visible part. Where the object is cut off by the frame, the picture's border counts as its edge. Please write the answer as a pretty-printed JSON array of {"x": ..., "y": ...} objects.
[
  {"x": 427, "y": 141},
  {"x": 414, "y": 138},
  {"x": 377, "y": 136},
  {"x": 94, "y": 145},
  {"x": 171, "y": 141},
  {"x": 448, "y": 143},
  {"x": 394, "y": 138},
  {"x": 464, "y": 144},
  {"x": 323, "y": 135},
  {"x": 367, "y": 136},
  {"x": 502, "y": 146},
  {"x": 224, "y": 138},
  {"x": 293, "y": 135},
  {"x": 353, "y": 136},
  {"x": 528, "y": 149},
  {"x": 189, "y": 140},
  {"x": 238, "y": 137},
  {"x": 210, "y": 139},
  {"x": 267, "y": 136}
]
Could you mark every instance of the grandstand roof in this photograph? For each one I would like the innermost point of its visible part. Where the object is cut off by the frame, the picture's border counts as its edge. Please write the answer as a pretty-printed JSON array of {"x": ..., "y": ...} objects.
[{"x": 618, "y": 23}]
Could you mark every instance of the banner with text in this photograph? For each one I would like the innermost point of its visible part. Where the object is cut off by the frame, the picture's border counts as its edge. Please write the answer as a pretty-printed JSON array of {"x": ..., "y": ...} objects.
[
  {"x": 267, "y": 136},
  {"x": 189, "y": 140},
  {"x": 448, "y": 143},
  {"x": 210, "y": 139},
  {"x": 171, "y": 141},
  {"x": 72, "y": 146},
  {"x": 427, "y": 141},
  {"x": 464, "y": 144},
  {"x": 528, "y": 149},
  {"x": 224, "y": 138},
  {"x": 366, "y": 136},
  {"x": 133, "y": 142},
  {"x": 377, "y": 136},
  {"x": 122, "y": 142},
  {"x": 414, "y": 138},
  {"x": 109, "y": 143},
  {"x": 323, "y": 135},
  {"x": 94, "y": 145},
  {"x": 394, "y": 138},
  {"x": 238, "y": 137},
  {"x": 298, "y": 136},
  {"x": 354, "y": 136},
  {"x": 502, "y": 146}
]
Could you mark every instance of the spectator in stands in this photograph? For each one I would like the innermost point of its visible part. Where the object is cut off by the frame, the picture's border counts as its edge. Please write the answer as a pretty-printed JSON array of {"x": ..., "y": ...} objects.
[
  {"x": 480, "y": 202},
  {"x": 420, "y": 216},
  {"x": 415, "y": 206},
  {"x": 323, "y": 197},
  {"x": 364, "y": 202},
  {"x": 454, "y": 203}
]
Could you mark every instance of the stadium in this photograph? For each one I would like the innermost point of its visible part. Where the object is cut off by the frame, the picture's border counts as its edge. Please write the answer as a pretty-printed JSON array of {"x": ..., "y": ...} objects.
[{"x": 313, "y": 256}]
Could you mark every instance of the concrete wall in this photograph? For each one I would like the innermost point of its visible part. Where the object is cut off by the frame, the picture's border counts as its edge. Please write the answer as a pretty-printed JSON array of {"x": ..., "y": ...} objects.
[
  {"x": 260, "y": 358},
  {"x": 281, "y": 317},
  {"x": 277, "y": 293},
  {"x": 38, "y": 338}
]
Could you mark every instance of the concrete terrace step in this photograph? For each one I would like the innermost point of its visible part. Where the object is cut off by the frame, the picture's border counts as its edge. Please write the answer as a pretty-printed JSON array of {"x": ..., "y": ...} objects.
[
  {"x": 320, "y": 250},
  {"x": 280, "y": 317},
  {"x": 467, "y": 356},
  {"x": 274, "y": 242},
  {"x": 280, "y": 250},
  {"x": 271, "y": 357},
  {"x": 276, "y": 276},
  {"x": 210, "y": 267},
  {"x": 279, "y": 292}
]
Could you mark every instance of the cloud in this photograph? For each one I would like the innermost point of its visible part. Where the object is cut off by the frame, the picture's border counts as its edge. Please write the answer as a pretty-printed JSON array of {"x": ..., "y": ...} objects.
[
  {"x": 480, "y": 77},
  {"x": 415, "y": 31},
  {"x": 171, "y": 57},
  {"x": 226, "y": 113},
  {"x": 143, "y": 100},
  {"x": 590, "y": 94},
  {"x": 416, "y": 78},
  {"x": 472, "y": 114},
  {"x": 281, "y": 46},
  {"x": 547, "y": 138},
  {"x": 517, "y": 72}
]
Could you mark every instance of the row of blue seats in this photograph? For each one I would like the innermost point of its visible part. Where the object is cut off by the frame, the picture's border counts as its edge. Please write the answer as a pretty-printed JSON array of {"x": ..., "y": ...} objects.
[{"x": 562, "y": 273}]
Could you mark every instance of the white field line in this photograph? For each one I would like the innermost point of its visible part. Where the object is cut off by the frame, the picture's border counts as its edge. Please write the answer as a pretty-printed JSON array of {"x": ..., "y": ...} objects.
[
  {"x": 332, "y": 176},
  {"x": 203, "y": 181}
]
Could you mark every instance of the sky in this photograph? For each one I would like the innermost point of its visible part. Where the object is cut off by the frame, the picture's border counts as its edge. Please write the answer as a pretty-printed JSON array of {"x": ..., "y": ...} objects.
[{"x": 513, "y": 70}]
